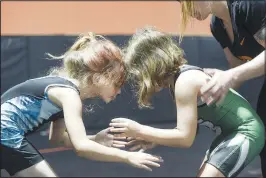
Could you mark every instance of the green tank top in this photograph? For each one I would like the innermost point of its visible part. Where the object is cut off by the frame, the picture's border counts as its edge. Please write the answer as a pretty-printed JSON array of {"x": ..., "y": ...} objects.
[{"x": 234, "y": 114}]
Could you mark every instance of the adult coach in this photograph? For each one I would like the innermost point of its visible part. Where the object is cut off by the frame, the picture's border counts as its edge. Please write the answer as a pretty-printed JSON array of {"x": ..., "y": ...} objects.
[{"x": 239, "y": 26}]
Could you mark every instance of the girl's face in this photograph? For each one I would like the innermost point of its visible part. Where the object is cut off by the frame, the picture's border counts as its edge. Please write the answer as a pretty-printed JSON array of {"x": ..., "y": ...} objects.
[
  {"x": 109, "y": 92},
  {"x": 202, "y": 10}
]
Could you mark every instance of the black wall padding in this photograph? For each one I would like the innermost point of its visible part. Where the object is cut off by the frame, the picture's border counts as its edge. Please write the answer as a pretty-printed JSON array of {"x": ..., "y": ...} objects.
[
  {"x": 24, "y": 57},
  {"x": 14, "y": 61}
]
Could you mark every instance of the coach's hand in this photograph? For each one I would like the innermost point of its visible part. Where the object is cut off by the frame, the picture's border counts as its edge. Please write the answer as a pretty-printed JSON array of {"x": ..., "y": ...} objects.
[
  {"x": 217, "y": 87},
  {"x": 105, "y": 138}
]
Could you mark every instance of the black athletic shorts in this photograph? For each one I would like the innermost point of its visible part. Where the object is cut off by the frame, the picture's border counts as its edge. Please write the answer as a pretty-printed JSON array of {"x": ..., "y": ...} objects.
[{"x": 14, "y": 160}]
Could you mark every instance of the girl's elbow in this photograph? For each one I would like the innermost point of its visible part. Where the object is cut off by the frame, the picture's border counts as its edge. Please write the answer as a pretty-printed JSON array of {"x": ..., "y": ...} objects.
[
  {"x": 188, "y": 143},
  {"x": 79, "y": 148},
  {"x": 185, "y": 142},
  {"x": 79, "y": 152},
  {"x": 83, "y": 148},
  {"x": 56, "y": 141}
]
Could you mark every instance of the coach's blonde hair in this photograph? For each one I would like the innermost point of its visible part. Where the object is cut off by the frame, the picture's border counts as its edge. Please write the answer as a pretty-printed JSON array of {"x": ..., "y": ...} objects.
[{"x": 187, "y": 8}]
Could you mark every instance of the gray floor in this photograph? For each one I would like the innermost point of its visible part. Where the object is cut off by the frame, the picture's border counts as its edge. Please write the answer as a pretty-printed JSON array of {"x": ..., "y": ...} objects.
[{"x": 177, "y": 162}]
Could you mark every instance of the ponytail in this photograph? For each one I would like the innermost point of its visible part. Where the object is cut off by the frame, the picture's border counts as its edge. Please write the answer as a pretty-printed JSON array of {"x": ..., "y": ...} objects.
[{"x": 82, "y": 42}]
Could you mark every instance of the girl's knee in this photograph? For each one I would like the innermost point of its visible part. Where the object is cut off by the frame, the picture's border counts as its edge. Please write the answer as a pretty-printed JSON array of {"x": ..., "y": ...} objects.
[
  {"x": 208, "y": 170},
  {"x": 41, "y": 169}
]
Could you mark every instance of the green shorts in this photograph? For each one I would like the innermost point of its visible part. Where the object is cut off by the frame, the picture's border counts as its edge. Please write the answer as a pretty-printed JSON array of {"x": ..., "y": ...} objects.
[{"x": 231, "y": 154}]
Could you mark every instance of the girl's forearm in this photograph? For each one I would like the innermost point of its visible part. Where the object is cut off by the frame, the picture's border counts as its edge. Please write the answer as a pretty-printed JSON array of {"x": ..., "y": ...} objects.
[{"x": 166, "y": 137}]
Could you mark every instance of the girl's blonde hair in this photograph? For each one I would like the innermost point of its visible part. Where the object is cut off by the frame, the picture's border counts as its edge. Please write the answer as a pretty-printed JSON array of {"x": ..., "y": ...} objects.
[
  {"x": 92, "y": 59},
  {"x": 152, "y": 57}
]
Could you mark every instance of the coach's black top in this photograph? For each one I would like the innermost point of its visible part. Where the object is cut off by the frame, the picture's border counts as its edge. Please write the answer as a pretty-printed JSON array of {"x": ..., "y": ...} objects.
[{"x": 247, "y": 17}]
